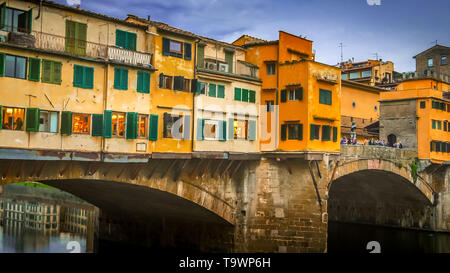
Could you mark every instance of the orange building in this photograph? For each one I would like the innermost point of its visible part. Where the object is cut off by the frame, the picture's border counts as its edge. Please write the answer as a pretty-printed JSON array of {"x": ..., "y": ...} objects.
[
  {"x": 417, "y": 114},
  {"x": 299, "y": 96}
]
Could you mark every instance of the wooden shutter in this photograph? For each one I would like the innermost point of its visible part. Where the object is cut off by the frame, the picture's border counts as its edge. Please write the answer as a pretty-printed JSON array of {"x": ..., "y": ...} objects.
[
  {"x": 56, "y": 72},
  {"x": 178, "y": 83},
  {"x": 326, "y": 131},
  {"x": 120, "y": 38},
  {"x": 3, "y": 15},
  {"x": 200, "y": 128},
  {"x": 131, "y": 41},
  {"x": 230, "y": 128},
  {"x": 237, "y": 93},
  {"x": 313, "y": 131},
  {"x": 153, "y": 132},
  {"x": 117, "y": 78},
  {"x": 78, "y": 74},
  {"x": 131, "y": 125},
  {"x": 222, "y": 130},
  {"x": 80, "y": 43},
  {"x": 47, "y": 71},
  {"x": 187, "y": 127},
  {"x": 2, "y": 64},
  {"x": 212, "y": 90},
  {"x": 220, "y": 91},
  {"x": 97, "y": 125},
  {"x": 66, "y": 123},
  {"x": 200, "y": 56},
  {"x": 283, "y": 95},
  {"x": 107, "y": 124},
  {"x": 283, "y": 131},
  {"x": 32, "y": 122},
  {"x": 335, "y": 132},
  {"x": 166, "y": 119},
  {"x": 34, "y": 70},
  {"x": 124, "y": 79},
  {"x": 300, "y": 131},
  {"x": 251, "y": 130},
  {"x": 161, "y": 80},
  {"x": 187, "y": 51},
  {"x": 194, "y": 86},
  {"x": 251, "y": 96},
  {"x": 70, "y": 37},
  {"x": 229, "y": 61},
  {"x": 30, "y": 20},
  {"x": 300, "y": 95},
  {"x": 88, "y": 77},
  {"x": 244, "y": 95},
  {"x": 166, "y": 46}
]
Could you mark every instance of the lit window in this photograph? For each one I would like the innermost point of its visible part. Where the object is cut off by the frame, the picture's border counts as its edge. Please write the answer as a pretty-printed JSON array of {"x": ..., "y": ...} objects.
[
  {"x": 81, "y": 123},
  {"x": 211, "y": 130},
  {"x": 240, "y": 129},
  {"x": 48, "y": 121},
  {"x": 12, "y": 118},
  {"x": 142, "y": 125},
  {"x": 118, "y": 124}
]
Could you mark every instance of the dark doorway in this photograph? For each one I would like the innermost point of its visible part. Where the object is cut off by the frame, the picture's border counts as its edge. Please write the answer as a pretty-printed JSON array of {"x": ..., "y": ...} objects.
[{"x": 391, "y": 140}]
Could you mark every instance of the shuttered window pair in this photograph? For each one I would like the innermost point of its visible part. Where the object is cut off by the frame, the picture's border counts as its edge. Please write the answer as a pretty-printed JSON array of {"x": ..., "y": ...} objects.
[
  {"x": 41, "y": 121},
  {"x": 126, "y": 40},
  {"x": 83, "y": 76},
  {"x": 211, "y": 129},
  {"x": 244, "y": 95},
  {"x": 315, "y": 131},
  {"x": 76, "y": 34},
  {"x": 51, "y": 71},
  {"x": 120, "y": 78},
  {"x": 292, "y": 131},
  {"x": 143, "y": 82}
]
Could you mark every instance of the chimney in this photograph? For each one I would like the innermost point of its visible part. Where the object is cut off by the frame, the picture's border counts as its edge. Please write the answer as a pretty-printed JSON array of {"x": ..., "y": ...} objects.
[{"x": 148, "y": 17}]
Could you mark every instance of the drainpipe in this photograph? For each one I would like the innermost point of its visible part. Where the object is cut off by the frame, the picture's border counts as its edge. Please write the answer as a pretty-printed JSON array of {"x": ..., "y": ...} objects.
[{"x": 194, "y": 59}]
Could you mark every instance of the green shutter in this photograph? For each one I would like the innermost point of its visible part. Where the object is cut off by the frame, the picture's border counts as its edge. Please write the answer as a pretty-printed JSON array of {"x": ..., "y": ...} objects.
[
  {"x": 131, "y": 125},
  {"x": 153, "y": 132},
  {"x": 325, "y": 96},
  {"x": 229, "y": 61},
  {"x": 3, "y": 15},
  {"x": 32, "y": 122},
  {"x": 244, "y": 95},
  {"x": 283, "y": 131},
  {"x": 140, "y": 81},
  {"x": 70, "y": 36},
  {"x": 237, "y": 93},
  {"x": 326, "y": 131},
  {"x": 131, "y": 41},
  {"x": 143, "y": 82},
  {"x": 220, "y": 91},
  {"x": 431, "y": 146},
  {"x": 166, "y": 46},
  {"x": 312, "y": 128},
  {"x": 212, "y": 90},
  {"x": 107, "y": 124},
  {"x": 283, "y": 95},
  {"x": 223, "y": 130},
  {"x": 88, "y": 77},
  {"x": 439, "y": 125},
  {"x": 433, "y": 124},
  {"x": 200, "y": 129},
  {"x": 335, "y": 132},
  {"x": 121, "y": 38},
  {"x": 78, "y": 74},
  {"x": 34, "y": 70},
  {"x": 230, "y": 128},
  {"x": 66, "y": 123},
  {"x": 124, "y": 79},
  {"x": 2, "y": 64},
  {"x": 80, "y": 36},
  {"x": 187, "y": 51},
  {"x": 251, "y": 130},
  {"x": 56, "y": 72},
  {"x": 30, "y": 20},
  {"x": 47, "y": 71},
  {"x": 200, "y": 56},
  {"x": 117, "y": 78},
  {"x": 300, "y": 131},
  {"x": 97, "y": 125},
  {"x": 251, "y": 96}
]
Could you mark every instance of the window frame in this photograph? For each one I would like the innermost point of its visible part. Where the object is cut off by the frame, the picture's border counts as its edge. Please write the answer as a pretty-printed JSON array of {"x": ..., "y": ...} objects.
[
  {"x": 295, "y": 126},
  {"x": 15, "y": 66},
  {"x": 428, "y": 62},
  {"x": 167, "y": 79},
  {"x": 4, "y": 108},
  {"x": 444, "y": 57},
  {"x": 12, "y": 28},
  {"x": 146, "y": 125},
  {"x": 236, "y": 126},
  {"x": 175, "y": 42},
  {"x": 173, "y": 120},
  {"x": 270, "y": 106},
  {"x": 270, "y": 68},
  {"x": 49, "y": 120},
  {"x": 324, "y": 100},
  {"x": 88, "y": 126},
  {"x": 216, "y": 124},
  {"x": 124, "y": 128}
]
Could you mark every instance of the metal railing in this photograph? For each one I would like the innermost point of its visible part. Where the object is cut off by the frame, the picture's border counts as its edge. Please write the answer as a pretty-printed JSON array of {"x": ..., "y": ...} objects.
[
  {"x": 56, "y": 43},
  {"x": 213, "y": 63}
]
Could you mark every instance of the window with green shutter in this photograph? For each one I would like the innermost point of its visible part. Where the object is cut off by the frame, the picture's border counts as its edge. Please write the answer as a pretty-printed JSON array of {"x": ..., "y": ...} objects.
[
  {"x": 244, "y": 95},
  {"x": 83, "y": 76},
  {"x": 283, "y": 97},
  {"x": 126, "y": 40},
  {"x": 143, "y": 82},
  {"x": 34, "y": 69},
  {"x": 32, "y": 120},
  {"x": 326, "y": 133},
  {"x": 132, "y": 125},
  {"x": 76, "y": 37},
  {"x": 252, "y": 130},
  {"x": 97, "y": 125},
  {"x": 120, "y": 78},
  {"x": 187, "y": 51},
  {"x": 237, "y": 93},
  {"x": 223, "y": 130},
  {"x": 2, "y": 64},
  {"x": 153, "y": 132},
  {"x": 433, "y": 124},
  {"x": 51, "y": 72},
  {"x": 212, "y": 90},
  {"x": 200, "y": 129},
  {"x": 335, "y": 132},
  {"x": 66, "y": 123},
  {"x": 220, "y": 91},
  {"x": 251, "y": 96},
  {"x": 283, "y": 131},
  {"x": 107, "y": 124},
  {"x": 325, "y": 96},
  {"x": 315, "y": 131},
  {"x": 229, "y": 60},
  {"x": 201, "y": 56}
]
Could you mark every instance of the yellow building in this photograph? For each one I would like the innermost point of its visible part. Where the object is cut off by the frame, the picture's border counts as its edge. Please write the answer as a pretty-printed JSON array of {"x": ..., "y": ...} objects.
[
  {"x": 73, "y": 80},
  {"x": 417, "y": 114},
  {"x": 371, "y": 72},
  {"x": 359, "y": 105},
  {"x": 305, "y": 93}
]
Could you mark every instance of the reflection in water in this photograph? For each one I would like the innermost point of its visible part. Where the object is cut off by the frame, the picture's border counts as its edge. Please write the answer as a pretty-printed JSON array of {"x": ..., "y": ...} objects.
[
  {"x": 38, "y": 219},
  {"x": 345, "y": 237}
]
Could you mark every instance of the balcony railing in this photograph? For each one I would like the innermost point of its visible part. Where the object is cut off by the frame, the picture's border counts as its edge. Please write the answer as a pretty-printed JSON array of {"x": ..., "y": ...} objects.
[
  {"x": 55, "y": 43},
  {"x": 239, "y": 67}
]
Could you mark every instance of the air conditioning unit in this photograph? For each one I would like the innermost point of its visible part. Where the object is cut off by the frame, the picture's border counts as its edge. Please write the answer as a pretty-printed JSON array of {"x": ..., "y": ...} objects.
[
  {"x": 223, "y": 67},
  {"x": 211, "y": 66}
]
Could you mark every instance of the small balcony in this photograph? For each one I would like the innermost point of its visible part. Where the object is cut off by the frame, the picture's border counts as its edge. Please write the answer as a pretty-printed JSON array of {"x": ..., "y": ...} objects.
[
  {"x": 239, "y": 68},
  {"x": 61, "y": 44}
]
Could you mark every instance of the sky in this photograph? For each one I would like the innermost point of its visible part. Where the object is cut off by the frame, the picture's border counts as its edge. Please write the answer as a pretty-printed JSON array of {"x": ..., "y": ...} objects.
[{"x": 395, "y": 30}]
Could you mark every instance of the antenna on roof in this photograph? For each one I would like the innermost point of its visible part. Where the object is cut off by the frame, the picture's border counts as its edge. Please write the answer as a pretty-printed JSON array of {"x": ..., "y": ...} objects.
[
  {"x": 341, "y": 45},
  {"x": 376, "y": 56}
]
